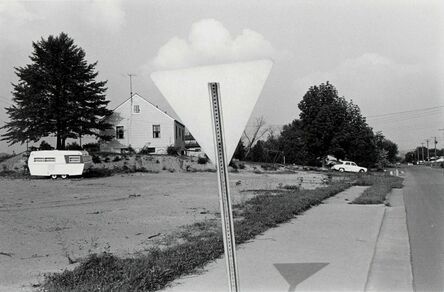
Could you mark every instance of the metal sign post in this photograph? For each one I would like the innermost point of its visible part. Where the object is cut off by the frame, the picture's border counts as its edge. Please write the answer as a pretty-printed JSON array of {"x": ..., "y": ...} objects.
[
  {"x": 187, "y": 90},
  {"x": 224, "y": 189}
]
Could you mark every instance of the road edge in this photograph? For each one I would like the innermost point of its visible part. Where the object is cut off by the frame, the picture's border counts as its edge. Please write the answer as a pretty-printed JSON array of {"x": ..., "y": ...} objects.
[{"x": 390, "y": 269}]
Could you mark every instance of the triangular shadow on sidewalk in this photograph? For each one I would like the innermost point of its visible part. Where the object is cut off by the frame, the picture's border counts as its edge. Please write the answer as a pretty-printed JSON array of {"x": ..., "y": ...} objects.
[{"x": 295, "y": 273}]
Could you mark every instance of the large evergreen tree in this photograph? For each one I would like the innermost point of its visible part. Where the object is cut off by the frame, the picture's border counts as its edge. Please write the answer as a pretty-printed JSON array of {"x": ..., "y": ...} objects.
[{"x": 56, "y": 95}]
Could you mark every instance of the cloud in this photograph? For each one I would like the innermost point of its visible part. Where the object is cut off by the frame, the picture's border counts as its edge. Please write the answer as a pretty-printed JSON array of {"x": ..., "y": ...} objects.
[
  {"x": 14, "y": 13},
  {"x": 209, "y": 42},
  {"x": 107, "y": 16},
  {"x": 107, "y": 13},
  {"x": 373, "y": 81}
]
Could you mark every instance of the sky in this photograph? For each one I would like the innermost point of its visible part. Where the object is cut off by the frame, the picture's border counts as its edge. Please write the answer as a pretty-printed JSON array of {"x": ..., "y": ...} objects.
[{"x": 385, "y": 56}]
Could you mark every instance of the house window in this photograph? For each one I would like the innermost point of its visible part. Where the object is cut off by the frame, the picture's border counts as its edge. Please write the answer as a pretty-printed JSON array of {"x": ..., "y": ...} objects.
[
  {"x": 136, "y": 109},
  {"x": 119, "y": 132},
  {"x": 156, "y": 131}
]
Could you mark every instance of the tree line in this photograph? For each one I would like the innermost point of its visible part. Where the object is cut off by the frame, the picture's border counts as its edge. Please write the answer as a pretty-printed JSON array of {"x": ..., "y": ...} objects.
[
  {"x": 328, "y": 125},
  {"x": 58, "y": 94}
]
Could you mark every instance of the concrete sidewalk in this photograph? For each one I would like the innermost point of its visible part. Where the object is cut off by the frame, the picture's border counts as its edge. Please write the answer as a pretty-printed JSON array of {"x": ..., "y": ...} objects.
[{"x": 329, "y": 248}]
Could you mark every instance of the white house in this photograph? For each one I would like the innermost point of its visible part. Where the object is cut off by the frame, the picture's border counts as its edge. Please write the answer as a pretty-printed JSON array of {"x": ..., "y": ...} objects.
[{"x": 142, "y": 125}]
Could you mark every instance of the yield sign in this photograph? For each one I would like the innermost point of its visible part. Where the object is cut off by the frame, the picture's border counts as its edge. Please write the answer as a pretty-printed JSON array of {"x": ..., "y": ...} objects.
[{"x": 186, "y": 90}]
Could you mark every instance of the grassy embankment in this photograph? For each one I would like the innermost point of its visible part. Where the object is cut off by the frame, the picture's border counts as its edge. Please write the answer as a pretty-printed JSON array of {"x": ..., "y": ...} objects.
[
  {"x": 196, "y": 245},
  {"x": 380, "y": 186}
]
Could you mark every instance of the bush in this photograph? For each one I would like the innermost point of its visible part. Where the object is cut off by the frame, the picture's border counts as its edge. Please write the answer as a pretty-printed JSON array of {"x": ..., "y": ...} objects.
[
  {"x": 202, "y": 160},
  {"x": 45, "y": 146},
  {"x": 147, "y": 150},
  {"x": 96, "y": 159},
  {"x": 98, "y": 172},
  {"x": 91, "y": 147},
  {"x": 172, "y": 150},
  {"x": 5, "y": 157},
  {"x": 73, "y": 146},
  {"x": 269, "y": 167}
]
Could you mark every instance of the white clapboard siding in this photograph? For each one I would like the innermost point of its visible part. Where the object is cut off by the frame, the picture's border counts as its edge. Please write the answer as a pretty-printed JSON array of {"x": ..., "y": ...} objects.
[{"x": 138, "y": 127}]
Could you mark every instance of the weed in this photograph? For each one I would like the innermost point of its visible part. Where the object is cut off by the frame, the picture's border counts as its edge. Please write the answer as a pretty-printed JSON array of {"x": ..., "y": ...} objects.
[
  {"x": 380, "y": 186},
  {"x": 202, "y": 160},
  {"x": 190, "y": 248}
]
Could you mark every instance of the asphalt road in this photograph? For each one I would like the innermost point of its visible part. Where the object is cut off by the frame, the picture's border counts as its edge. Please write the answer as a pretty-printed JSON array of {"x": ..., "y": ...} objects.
[{"x": 424, "y": 201}]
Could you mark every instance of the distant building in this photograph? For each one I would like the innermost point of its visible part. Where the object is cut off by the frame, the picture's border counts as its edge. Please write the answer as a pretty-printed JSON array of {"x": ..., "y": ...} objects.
[
  {"x": 192, "y": 148},
  {"x": 143, "y": 126}
]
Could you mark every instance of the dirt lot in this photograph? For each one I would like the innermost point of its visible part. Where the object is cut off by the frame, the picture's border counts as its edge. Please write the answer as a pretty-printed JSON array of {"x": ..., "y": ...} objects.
[{"x": 46, "y": 224}]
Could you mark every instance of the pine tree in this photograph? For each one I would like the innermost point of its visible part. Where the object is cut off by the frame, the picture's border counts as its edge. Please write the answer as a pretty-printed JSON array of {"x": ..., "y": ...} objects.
[{"x": 56, "y": 95}]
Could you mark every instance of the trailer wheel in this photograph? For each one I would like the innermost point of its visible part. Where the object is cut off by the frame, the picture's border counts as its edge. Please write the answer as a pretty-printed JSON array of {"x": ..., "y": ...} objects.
[
  {"x": 53, "y": 176},
  {"x": 64, "y": 176},
  {"x": 341, "y": 170}
]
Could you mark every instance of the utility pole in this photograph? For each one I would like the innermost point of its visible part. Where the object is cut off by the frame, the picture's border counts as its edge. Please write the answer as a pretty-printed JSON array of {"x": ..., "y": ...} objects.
[
  {"x": 428, "y": 153},
  {"x": 417, "y": 155},
  {"x": 422, "y": 150},
  {"x": 131, "y": 107},
  {"x": 436, "y": 142}
]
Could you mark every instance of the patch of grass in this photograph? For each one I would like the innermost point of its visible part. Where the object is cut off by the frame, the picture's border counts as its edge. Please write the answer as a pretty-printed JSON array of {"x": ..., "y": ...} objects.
[
  {"x": 380, "y": 186},
  {"x": 196, "y": 245}
]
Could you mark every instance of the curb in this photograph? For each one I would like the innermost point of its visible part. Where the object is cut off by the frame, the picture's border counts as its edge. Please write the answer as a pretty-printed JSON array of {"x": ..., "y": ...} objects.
[
  {"x": 390, "y": 269},
  {"x": 372, "y": 262}
]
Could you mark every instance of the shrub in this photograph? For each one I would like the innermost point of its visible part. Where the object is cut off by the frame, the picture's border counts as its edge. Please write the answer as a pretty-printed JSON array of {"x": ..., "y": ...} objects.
[
  {"x": 5, "y": 157},
  {"x": 147, "y": 150},
  {"x": 45, "y": 146},
  {"x": 202, "y": 160},
  {"x": 269, "y": 167},
  {"x": 91, "y": 147},
  {"x": 73, "y": 146},
  {"x": 98, "y": 172},
  {"x": 96, "y": 159},
  {"x": 172, "y": 150}
]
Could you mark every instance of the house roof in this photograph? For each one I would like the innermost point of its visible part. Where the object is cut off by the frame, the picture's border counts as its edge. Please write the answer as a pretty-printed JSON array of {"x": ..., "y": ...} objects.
[{"x": 146, "y": 100}]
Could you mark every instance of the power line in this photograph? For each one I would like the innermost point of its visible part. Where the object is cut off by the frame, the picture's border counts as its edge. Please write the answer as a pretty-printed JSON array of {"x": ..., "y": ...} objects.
[
  {"x": 406, "y": 117},
  {"x": 409, "y": 111}
]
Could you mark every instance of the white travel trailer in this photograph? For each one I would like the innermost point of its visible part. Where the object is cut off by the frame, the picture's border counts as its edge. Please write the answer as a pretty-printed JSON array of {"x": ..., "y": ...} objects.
[{"x": 56, "y": 163}]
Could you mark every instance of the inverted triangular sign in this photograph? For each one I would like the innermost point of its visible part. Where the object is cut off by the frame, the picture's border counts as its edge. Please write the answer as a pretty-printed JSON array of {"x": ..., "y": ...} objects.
[{"x": 187, "y": 92}]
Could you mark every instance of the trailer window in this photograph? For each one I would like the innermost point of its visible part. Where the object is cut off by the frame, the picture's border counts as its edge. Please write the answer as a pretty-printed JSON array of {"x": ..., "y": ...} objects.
[
  {"x": 49, "y": 159},
  {"x": 39, "y": 159},
  {"x": 74, "y": 159}
]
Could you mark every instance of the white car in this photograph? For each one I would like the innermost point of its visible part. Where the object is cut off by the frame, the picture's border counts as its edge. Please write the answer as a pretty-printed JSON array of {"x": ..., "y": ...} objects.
[{"x": 348, "y": 166}]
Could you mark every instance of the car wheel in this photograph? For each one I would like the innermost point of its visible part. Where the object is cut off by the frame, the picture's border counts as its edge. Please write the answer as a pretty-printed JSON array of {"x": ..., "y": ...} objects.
[
  {"x": 64, "y": 176},
  {"x": 53, "y": 176},
  {"x": 361, "y": 170},
  {"x": 341, "y": 170}
]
